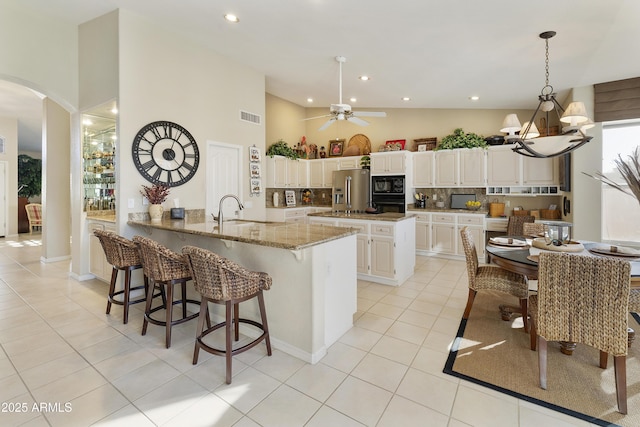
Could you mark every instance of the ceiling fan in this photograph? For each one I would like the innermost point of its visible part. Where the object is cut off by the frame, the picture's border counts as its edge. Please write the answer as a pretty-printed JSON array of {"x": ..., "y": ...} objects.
[{"x": 342, "y": 111}]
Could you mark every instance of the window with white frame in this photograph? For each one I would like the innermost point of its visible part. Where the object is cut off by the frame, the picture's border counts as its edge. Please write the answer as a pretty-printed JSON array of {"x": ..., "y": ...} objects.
[{"x": 620, "y": 212}]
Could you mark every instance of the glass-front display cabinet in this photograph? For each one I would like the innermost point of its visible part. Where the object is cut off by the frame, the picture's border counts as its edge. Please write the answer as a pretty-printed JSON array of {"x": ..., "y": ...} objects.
[{"x": 99, "y": 139}]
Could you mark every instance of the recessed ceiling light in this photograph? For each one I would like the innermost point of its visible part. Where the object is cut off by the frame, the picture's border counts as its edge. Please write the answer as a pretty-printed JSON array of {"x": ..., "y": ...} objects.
[
  {"x": 114, "y": 110},
  {"x": 231, "y": 17},
  {"x": 406, "y": 98},
  {"x": 87, "y": 122},
  {"x": 364, "y": 78},
  {"x": 309, "y": 100},
  {"x": 353, "y": 99},
  {"x": 474, "y": 98}
]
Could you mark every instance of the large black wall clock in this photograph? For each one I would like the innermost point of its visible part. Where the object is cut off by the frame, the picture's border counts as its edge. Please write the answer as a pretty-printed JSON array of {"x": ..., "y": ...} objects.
[{"x": 165, "y": 153}]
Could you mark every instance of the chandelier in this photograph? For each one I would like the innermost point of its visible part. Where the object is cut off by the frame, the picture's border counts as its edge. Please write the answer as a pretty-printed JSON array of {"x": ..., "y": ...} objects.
[{"x": 527, "y": 139}]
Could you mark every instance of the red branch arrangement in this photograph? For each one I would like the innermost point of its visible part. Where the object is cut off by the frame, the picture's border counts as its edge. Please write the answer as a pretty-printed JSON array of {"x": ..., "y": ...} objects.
[{"x": 156, "y": 194}]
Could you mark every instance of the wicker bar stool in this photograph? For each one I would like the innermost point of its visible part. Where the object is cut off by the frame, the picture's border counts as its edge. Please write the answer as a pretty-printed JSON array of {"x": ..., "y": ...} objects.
[
  {"x": 123, "y": 255},
  {"x": 165, "y": 269},
  {"x": 222, "y": 281}
]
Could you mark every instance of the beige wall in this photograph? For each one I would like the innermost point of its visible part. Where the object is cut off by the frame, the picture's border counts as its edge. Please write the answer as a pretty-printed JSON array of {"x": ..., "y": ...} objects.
[
  {"x": 39, "y": 52},
  {"x": 284, "y": 120},
  {"x": 410, "y": 124},
  {"x": 9, "y": 130},
  {"x": 194, "y": 87},
  {"x": 56, "y": 197}
]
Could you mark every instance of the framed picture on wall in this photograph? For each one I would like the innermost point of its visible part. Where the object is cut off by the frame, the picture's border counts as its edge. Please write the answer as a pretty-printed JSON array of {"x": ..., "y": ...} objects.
[
  {"x": 336, "y": 146},
  {"x": 254, "y": 154},
  {"x": 255, "y": 170}
]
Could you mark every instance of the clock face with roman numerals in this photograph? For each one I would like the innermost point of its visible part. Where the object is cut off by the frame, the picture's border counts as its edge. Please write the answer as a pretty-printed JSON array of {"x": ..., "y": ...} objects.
[{"x": 165, "y": 153}]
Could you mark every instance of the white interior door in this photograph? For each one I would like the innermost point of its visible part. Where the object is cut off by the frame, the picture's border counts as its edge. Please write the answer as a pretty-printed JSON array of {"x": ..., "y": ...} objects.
[
  {"x": 3, "y": 199},
  {"x": 224, "y": 176}
]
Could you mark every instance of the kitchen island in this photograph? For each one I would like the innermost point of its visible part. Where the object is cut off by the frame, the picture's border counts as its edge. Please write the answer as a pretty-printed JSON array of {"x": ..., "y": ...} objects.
[
  {"x": 313, "y": 297},
  {"x": 386, "y": 243}
]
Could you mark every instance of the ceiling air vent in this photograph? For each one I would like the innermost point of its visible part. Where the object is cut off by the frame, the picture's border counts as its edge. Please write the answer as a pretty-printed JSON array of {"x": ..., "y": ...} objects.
[
  {"x": 246, "y": 116},
  {"x": 1, "y": 145}
]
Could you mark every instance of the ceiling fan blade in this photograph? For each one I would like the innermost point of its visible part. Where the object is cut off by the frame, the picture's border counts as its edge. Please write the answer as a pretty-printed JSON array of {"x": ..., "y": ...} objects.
[
  {"x": 317, "y": 117},
  {"x": 358, "y": 121},
  {"x": 369, "y": 113},
  {"x": 327, "y": 124}
]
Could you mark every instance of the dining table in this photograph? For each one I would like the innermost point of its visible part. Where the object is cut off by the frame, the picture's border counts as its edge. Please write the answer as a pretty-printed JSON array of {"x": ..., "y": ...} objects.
[{"x": 520, "y": 258}]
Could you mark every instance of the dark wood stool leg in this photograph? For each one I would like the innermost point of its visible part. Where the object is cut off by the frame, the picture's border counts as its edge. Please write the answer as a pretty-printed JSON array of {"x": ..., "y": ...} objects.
[
  {"x": 169, "y": 313},
  {"x": 236, "y": 321},
  {"x": 127, "y": 297},
  {"x": 112, "y": 287},
  {"x": 184, "y": 299},
  {"x": 228, "y": 346},
  {"x": 147, "y": 306},
  {"x": 204, "y": 313},
  {"x": 265, "y": 326}
]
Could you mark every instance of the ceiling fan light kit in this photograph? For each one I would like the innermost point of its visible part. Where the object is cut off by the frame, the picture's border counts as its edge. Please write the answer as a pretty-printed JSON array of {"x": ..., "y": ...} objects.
[
  {"x": 529, "y": 143},
  {"x": 342, "y": 111}
]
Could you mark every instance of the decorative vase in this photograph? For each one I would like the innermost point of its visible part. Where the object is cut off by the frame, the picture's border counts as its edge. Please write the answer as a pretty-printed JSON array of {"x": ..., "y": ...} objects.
[{"x": 155, "y": 212}]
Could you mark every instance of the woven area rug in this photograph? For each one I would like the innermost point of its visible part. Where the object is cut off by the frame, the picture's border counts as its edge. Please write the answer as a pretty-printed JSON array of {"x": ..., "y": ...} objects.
[{"x": 496, "y": 354}]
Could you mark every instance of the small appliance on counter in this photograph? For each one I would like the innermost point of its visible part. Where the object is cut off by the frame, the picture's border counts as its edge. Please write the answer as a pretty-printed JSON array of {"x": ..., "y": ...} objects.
[
  {"x": 350, "y": 190},
  {"x": 459, "y": 201},
  {"x": 290, "y": 198}
]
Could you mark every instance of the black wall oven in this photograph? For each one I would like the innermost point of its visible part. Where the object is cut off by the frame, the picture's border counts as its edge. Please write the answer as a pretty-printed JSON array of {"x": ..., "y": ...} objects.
[{"x": 388, "y": 193}]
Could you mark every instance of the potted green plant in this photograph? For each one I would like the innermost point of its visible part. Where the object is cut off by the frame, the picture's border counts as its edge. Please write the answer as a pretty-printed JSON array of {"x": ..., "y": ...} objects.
[
  {"x": 281, "y": 148},
  {"x": 460, "y": 139},
  {"x": 29, "y": 176},
  {"x": 156, "y": 195},
  {"x": 365, "y": 162}
]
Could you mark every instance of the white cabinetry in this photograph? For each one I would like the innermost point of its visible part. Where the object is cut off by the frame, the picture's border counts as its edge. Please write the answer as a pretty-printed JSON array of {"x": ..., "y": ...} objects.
[
  {"x": 329, "y": 165},
  {"x": 503, "y": 166},
  {"x": 464, "y": 167},
  {"x": 447, "y": 168},
  {"x": 316, "y": 173},
  {"x": 285, "y": 173},
  {"x": 475, "y": 224},
  {"x": 443, "y": 233},
  {"x": 98, "y": 265},
  {"x": 512, "y": 173},
  {"x": 423, "y": 169},
  {"x": 473, "y": 166},
  {"x": 352, "y": 162},
  {"x": 540, "y": 171},
  {"x": 440, "y": 233},
  {"x": 423, "y": 232},
  {"x": 386, "y": 248},
  {"x": 388, "y": 163}
]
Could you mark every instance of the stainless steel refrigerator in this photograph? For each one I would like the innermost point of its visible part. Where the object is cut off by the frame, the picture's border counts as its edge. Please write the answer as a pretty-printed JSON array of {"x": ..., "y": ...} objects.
[{"x": 351, "y": 190}]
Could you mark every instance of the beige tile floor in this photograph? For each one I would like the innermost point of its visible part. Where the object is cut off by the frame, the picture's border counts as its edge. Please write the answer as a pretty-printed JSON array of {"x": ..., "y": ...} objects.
[{"x": 58, "y": 348}]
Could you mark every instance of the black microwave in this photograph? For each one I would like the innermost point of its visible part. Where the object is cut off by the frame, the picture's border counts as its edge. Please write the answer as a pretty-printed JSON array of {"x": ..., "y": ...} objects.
[{"x": 387, "y": 184}]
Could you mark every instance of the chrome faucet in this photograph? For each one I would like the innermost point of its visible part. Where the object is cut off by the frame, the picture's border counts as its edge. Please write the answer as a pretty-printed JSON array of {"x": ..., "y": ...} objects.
[{"x": 219, "y": 218}]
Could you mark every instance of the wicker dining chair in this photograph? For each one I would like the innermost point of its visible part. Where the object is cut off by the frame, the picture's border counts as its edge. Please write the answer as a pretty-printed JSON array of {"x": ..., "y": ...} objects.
[
  {"x": 583, "y": 299},
  {"x": 34, "y": 215},
  {"x": 515, "y": 224},
  {"x": 222, "y": 281},
  {"x": 164, "y": 268},
  {"x": 123, "y": 255},
  {"x": 491, "y": 277},
  {"x": 534, "y": 229}
]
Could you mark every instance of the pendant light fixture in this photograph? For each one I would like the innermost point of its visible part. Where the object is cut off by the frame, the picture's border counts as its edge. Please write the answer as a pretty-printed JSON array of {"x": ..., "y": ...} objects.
[{"x": 529, "y": 143}]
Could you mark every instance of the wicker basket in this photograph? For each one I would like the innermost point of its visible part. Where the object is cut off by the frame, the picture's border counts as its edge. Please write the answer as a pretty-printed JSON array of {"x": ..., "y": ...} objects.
[
  {"x": 496, "y": 209},
  {"x": 520, "y": 212},
  {"x": 549, "y": 214},
  {"x": 429, "y": 142}
]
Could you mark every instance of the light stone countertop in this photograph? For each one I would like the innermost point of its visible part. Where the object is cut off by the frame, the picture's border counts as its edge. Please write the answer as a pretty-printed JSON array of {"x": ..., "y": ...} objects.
[
  {"x": 106, "y": 216},
  {"x": 291, "y": 236},
  {"x": 447, "y": 210}
]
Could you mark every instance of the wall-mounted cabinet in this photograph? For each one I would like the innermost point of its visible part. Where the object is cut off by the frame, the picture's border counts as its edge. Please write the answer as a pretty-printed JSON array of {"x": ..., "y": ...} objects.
[
  {"x": 99, "y": 162},
  {"x": 389, "y": 163},
  {"x": 512, "y": 173}
]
